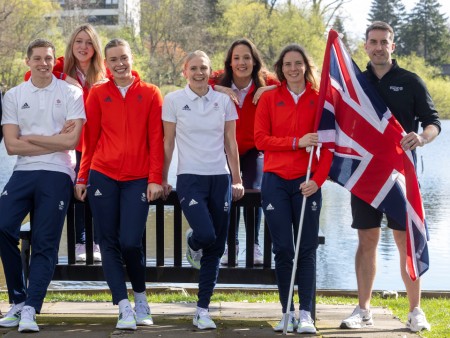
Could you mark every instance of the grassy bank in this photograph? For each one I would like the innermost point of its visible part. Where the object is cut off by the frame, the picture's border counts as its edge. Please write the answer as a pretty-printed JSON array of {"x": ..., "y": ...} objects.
[{"x": 437, "y": 309}]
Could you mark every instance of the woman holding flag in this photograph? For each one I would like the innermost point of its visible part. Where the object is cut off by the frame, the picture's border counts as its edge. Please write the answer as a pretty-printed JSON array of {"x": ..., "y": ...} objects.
[{"x": 285, "y": 131}]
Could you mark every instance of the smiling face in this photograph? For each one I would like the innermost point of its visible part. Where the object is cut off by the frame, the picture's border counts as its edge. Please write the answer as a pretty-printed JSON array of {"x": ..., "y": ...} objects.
[
  {"x": 294, "y": 68},
  {"x": 119, "y": 61},
  {"x": 197, "y": 72},
  {"x": 41, "y": 63},
  {"x": 379, "y": 47},
  {"x": 83, "y": 48},
  {"x": 242, "y": 62}
]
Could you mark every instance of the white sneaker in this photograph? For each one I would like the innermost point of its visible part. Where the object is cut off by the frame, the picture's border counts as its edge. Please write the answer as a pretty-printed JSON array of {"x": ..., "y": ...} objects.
[
  {"x": 417, "y": 321},
  {"x": 358, "y": 319},
  {"x": 292, "y": 325},
  {"x": 143, "y": 314},
  {"x": 127, "y": 319},
  {"x": 203, "y": 320},
  {"x": 258, "y": 258},
  {"x": 306, "y": 323},
  {"x": 28, "y": 320},
  {"x": 80, "y": 252},
  {"x": 97, "y": 254},
  {"x": 193, "y": 257},
  {"x": 224, "y": 259},
  {"x": 12, "y": 318}
]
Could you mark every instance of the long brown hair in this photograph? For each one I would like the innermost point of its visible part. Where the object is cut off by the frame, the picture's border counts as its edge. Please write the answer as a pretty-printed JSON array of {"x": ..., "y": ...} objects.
[
  {"x": 311, "y": 74},
  {"x": 257, "y": 73},
  {"x": 96, "y": 70}
]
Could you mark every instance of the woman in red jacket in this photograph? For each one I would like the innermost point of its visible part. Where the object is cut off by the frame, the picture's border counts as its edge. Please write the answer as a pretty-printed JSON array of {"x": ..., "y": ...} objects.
[
  {"x": 122, "y": 162},
  {"x": 284, "y": 130},
  {"x": 83, "y": 61},
  {"x": 244, "y": 79}
]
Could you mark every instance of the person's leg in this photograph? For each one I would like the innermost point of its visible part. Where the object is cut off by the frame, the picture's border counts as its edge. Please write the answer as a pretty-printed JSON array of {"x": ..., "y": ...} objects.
[
  {"x": 16, "y": 201},
  {"x": 276, "y": 204},
  {"x": 412, "y": 288},
  {"x": 219, "y": 205},
  {"x": 133, "y": 219},
  {"x": 51, "y": 200},
  {"x": 309, "y": 241},
  {"x": 104, "y": 200}
]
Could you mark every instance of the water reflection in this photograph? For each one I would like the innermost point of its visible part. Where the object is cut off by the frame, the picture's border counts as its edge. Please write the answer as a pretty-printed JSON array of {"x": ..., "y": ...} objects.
[{"x": 335, "y": 261}]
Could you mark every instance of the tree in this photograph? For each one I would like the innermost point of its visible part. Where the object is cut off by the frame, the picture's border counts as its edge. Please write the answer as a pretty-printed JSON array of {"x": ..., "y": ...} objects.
[
  {"x": 338, "y": 26},
  {"x": 427, "y": 33},
  {"x": 21, "y": 21},
  {"x": 391, "y": 11}
]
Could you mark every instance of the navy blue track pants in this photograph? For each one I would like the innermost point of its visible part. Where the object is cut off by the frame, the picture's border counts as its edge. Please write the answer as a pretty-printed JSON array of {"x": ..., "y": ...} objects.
[
  {"x": 206, "y": 203},
  {"x": 120, "y": 210},
  {"x": 47, "y": 194},
  {"x": 282, "y": 202}
]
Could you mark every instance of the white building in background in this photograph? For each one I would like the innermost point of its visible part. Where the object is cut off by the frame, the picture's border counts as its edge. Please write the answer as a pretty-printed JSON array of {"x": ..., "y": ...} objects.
[{"x": 110, "y": 13}]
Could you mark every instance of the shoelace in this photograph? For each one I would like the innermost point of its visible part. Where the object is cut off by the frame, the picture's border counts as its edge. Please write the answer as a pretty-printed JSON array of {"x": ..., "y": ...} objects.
[
  {"x": 142, "y": 308},
  {"x": 27, "y": 313},
  {"x": 127, "y": 313}
]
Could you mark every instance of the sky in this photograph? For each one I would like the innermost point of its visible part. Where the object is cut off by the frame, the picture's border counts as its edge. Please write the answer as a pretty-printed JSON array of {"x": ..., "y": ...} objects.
[{"x": 358, "y": 11}]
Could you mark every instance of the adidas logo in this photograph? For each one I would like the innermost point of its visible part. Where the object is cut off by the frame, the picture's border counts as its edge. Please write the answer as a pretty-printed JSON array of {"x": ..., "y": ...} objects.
[
  {"x": 5, "y": 193},
  {"x": 98, "y": 193},
  {"x": 108, "y": 99},
  {"x": 25, "y": 106},
  {"x": 270, "y": 207},
  {"x": 192, "y": 202},
  {"x": 186, "y": 107}
]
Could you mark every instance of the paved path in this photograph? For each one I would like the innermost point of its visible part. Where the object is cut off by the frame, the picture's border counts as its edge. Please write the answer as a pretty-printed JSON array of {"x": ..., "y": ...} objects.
[{"x": 73, "y": 320}]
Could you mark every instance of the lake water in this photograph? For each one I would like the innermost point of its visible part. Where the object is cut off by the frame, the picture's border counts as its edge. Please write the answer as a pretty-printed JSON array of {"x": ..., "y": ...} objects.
[{"x": 336, "y": 258}]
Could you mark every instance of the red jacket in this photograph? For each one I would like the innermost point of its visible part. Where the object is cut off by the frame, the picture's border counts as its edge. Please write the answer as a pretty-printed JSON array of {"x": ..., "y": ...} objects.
[
  {"x": 123, "y": 137},
  {"x": 246, "y": 122},
  {"x": 279, "y": 124}
]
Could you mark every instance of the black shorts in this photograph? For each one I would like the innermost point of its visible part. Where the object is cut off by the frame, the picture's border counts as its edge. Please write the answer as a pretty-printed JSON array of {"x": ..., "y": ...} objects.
[{"x": 367, "y": 217}]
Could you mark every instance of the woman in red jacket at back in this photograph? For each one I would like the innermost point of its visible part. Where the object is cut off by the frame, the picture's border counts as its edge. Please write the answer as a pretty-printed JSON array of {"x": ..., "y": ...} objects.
[
  {"x": 83, "y": 61},
  {"x": 244, "y": 79}
]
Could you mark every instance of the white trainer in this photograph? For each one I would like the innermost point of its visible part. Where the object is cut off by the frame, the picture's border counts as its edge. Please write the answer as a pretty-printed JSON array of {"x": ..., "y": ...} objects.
[
  {"x": 358, "y": 319},
  {"x": 143, "y": 314},
  {"x": 203, "y": 320},
  {"x": 258, "y": 258},
  {"x": 97, "y": 254},
  {"x": 127, "y": 319},
  {"x": 224, "y": 259},
  {"x": 193, "y": 257},
  {"x": 306, "y": 323},
  {"x": 28, "y": 320},
  {"x": 12, "y": 318},
  {"x": 80, "y": 252},
  {"x": 292, "y": 325},
  {"x": 417, "y": 321}
]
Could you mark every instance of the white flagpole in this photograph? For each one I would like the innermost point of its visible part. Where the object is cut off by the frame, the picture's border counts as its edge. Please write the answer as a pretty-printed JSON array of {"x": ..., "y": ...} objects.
[{"x": 297, "y": 247}]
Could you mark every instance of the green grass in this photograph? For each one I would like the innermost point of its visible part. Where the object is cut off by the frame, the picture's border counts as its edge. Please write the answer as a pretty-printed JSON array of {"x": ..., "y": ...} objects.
[{"x": 437, "y": 309}]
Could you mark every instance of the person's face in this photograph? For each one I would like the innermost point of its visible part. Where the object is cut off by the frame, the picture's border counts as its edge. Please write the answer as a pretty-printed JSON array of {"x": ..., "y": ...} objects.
[
  {"x": 242, "y": 62},
  {"x": 197, "y": 73},
  {"x": 379, "y": 47},
  {"x": 294, "y": 68},
  {"x": 83, "y": 48},
  {"x": 119, "y": 61},
  {"x": 41, "y": 63}
]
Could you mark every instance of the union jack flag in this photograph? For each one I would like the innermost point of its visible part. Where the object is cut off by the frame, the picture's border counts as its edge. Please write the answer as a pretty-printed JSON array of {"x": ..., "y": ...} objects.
[{"x": 368, "y": 160}]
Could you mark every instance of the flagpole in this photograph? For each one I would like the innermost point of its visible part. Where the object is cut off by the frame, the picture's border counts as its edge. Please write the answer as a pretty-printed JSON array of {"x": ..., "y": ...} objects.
[{"x": 297, "y": 247}]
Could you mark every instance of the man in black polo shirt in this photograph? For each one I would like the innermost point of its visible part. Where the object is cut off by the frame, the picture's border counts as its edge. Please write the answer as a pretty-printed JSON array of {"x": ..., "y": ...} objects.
[{"x": 408, "y": 99}]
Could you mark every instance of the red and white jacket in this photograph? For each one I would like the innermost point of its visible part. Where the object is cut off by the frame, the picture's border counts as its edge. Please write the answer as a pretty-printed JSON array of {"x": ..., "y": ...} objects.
[{"x": 279, "y": 125}]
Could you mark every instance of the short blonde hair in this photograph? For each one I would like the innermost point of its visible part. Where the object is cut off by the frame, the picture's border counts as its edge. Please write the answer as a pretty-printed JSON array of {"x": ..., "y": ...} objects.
[{"x": 192, "y": 55}]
